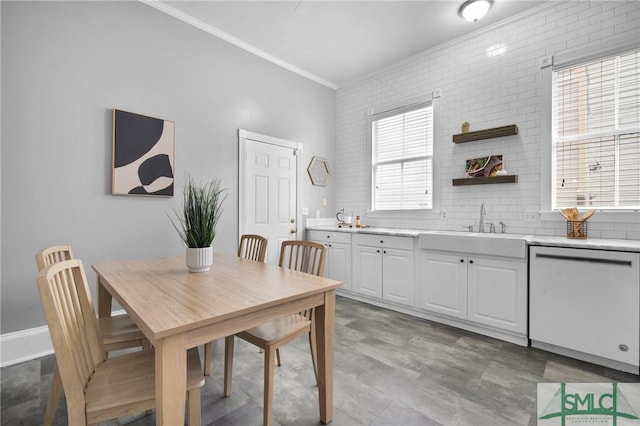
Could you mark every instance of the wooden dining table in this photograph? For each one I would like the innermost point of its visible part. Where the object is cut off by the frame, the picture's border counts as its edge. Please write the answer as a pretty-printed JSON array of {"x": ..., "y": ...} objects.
[{"x": 177, "y": 310}]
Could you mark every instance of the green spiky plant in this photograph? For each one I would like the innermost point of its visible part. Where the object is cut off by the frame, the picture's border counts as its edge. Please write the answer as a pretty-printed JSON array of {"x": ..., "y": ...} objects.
[{"x": 201, "y": 209}]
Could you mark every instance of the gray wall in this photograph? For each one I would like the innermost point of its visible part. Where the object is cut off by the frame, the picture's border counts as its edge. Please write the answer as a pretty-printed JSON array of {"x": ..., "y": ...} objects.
[{"x": 65, "y": 65}]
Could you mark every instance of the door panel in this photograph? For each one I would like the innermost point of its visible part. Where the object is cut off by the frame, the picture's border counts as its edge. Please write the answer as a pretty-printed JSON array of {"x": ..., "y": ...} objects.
[
  {"x": 270, "y": 195},
  {"x": 260, "y": 200},
  {"x": 444, "y": 284},
  {"x": 397, "y": 276},
  {"x": 367, "y": 270},
  {"x": 497, "y": 293}
]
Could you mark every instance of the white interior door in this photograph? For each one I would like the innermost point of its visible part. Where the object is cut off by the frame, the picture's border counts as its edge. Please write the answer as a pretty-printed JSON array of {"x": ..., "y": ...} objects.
[{"x": 269, "y": 190}]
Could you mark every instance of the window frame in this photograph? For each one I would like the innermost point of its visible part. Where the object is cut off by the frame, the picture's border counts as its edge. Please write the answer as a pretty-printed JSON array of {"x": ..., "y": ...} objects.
[
  {"x": 562, "y": 61},
  {"x": 389, "y": 110}
]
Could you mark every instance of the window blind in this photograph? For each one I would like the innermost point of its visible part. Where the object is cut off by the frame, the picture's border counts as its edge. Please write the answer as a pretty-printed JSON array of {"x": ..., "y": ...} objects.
[
  {"x": 596, "y": 134},
  {"x": 402, "y": 157}
]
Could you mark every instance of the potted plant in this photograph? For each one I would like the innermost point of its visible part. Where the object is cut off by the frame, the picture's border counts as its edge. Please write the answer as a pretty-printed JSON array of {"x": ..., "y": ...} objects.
[
  {"x": 196, "y": 223},
  {"x": 465, "y": 127}
]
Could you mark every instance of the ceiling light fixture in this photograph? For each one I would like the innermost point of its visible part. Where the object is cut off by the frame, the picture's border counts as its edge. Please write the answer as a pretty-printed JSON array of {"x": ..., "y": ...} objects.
[{"x": 472, "y": 10}]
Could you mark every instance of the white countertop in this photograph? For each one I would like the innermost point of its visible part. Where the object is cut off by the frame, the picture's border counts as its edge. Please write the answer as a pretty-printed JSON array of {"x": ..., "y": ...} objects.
[
  {"x": 589, "y": 243},
  {"x": 400, "y": 232}
]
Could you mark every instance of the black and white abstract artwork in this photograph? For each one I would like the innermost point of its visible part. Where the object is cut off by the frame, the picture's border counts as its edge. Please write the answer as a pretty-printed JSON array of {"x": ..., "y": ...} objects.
[{"x": 143, "y": 155}]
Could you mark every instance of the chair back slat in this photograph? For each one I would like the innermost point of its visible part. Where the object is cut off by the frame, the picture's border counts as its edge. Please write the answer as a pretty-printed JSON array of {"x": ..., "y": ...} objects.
[
  {"x": 252, "y": 247},
  {"x": 303, "y": 256},
  {"x": 72, "y": 324},
  {"x": 52, "y": 255}
]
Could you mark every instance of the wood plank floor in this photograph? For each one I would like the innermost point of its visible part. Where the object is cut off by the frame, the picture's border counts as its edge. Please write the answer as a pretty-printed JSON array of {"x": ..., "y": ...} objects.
[{"x": 390, "y": 369}]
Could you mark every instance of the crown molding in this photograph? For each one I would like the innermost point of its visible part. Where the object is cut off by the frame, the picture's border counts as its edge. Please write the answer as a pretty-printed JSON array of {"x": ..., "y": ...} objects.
[{"x": 171, "y": 11}]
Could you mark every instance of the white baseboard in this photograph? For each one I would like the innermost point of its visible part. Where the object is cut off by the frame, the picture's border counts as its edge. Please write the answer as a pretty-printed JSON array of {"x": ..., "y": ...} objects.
[{"x": 25, "y": 345}]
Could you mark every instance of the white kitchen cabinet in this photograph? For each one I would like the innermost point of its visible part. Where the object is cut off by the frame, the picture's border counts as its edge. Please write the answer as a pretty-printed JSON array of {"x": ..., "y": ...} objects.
[
  {"x": 497, "y": 293},
  {"x": 482, "y": 290},
  {"x": 383, "y": 267},
  {"x": 337, "y": 265},
  {"x": 367, "y": 270},
  {"x": 444, "y": 284}
]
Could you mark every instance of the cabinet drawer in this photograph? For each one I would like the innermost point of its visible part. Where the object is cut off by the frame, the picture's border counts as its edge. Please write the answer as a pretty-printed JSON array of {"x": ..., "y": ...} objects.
[
  {"x": 328, "y": 236},
  {"x": 388, "y": 241}
]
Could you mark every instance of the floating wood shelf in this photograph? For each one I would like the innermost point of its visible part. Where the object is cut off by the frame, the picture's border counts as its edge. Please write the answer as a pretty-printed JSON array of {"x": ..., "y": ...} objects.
[
  {"x": 496, "y": 132},
  {"x": 485, "y": 180}
]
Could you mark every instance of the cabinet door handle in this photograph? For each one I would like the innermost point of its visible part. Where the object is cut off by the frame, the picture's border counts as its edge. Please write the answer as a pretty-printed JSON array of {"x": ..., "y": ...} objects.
[
  {"x": 461, "y": 260},
  {"x": 381, "y": 241},
  {"x": 377, "y": 251},
  {"x": 384, "y": 251},
  {"x": 471, "y": 261}
]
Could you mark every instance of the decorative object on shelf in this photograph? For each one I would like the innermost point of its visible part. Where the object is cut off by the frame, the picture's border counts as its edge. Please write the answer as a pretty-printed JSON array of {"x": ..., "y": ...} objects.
[
  {"x": 201, "y": 209},
  {"x": 319, "y": 171},
  {"x": 465, "y": 127},
  {"x": 483, "y": 166},
  {"x": 143, "y": 155},
  {"x": 477, "y": 135},
  {"x": 576, "y": 225}
]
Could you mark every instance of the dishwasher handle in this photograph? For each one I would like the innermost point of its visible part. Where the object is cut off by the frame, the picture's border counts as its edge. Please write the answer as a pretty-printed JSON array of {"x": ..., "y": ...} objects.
[{"x": 585, "y": 259}]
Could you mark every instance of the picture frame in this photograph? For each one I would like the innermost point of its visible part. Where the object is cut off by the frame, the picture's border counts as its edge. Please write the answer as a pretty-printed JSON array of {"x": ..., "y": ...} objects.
[
  {"x": 143, "y": 153},
  {"x": 483, "y": 166}
]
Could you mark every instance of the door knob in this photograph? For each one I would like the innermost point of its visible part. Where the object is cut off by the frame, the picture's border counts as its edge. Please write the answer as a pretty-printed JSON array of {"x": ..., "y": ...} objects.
[{"x": 293, "y": 231}]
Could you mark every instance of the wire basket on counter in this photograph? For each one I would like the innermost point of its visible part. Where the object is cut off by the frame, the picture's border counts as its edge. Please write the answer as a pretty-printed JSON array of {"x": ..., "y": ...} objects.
[{"x": 577, "y": 229}]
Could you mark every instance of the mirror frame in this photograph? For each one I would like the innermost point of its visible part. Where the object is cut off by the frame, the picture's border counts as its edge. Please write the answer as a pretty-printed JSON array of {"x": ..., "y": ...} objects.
[{"x": 319, "y": 171}]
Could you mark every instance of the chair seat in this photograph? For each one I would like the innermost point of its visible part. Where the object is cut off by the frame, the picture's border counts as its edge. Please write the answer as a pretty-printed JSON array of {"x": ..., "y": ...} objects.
[
  {"x": 117, "y": 330},
  {"x": 273, "y": 331},
  {"x": 129, "y": 380}
]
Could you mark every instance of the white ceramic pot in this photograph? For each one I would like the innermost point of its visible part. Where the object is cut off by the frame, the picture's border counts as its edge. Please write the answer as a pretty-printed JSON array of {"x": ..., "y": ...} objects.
[{"x": 199, "y": 259}]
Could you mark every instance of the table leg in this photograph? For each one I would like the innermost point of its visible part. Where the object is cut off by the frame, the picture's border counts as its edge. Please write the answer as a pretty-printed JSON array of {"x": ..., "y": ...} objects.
[
  {"x": 171, "y": 380},
  {"x": 325, "y": 336},
  {"x": 104, "y": 301}
]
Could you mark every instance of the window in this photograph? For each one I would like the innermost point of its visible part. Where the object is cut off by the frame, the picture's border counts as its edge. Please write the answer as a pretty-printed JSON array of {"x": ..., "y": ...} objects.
[
  {"x": 596, "y": 134},
  {"x": 402, "y": 158}
]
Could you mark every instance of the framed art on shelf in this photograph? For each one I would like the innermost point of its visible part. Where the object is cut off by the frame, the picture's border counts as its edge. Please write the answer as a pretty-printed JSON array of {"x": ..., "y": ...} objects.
[{"x": 484, "y": 166}]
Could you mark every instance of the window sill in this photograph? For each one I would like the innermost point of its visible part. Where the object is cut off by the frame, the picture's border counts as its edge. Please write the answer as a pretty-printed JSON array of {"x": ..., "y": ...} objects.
[{"x": 599, "y": 216}]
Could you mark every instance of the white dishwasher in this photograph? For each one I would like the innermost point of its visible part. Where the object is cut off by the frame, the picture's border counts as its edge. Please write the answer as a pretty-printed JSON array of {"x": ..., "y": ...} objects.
[{"x": 586, "y": 304}]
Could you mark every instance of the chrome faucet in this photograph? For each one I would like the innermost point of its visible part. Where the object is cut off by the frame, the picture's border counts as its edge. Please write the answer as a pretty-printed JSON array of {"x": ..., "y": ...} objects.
[{"x": 483, "y": 212}]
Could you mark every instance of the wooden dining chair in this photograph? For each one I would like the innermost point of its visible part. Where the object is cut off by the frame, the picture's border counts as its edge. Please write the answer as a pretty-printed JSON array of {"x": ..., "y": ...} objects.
[
  {"x": 117, "y": 332},
  {"x": 303, "y": 256},
  {"x": 98, "y": 388},
  {"x": 252, "y": 247}
]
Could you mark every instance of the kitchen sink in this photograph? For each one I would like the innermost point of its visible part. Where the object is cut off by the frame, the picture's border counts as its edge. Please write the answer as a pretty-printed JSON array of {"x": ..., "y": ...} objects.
[{"x": 505, "y": 245}]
